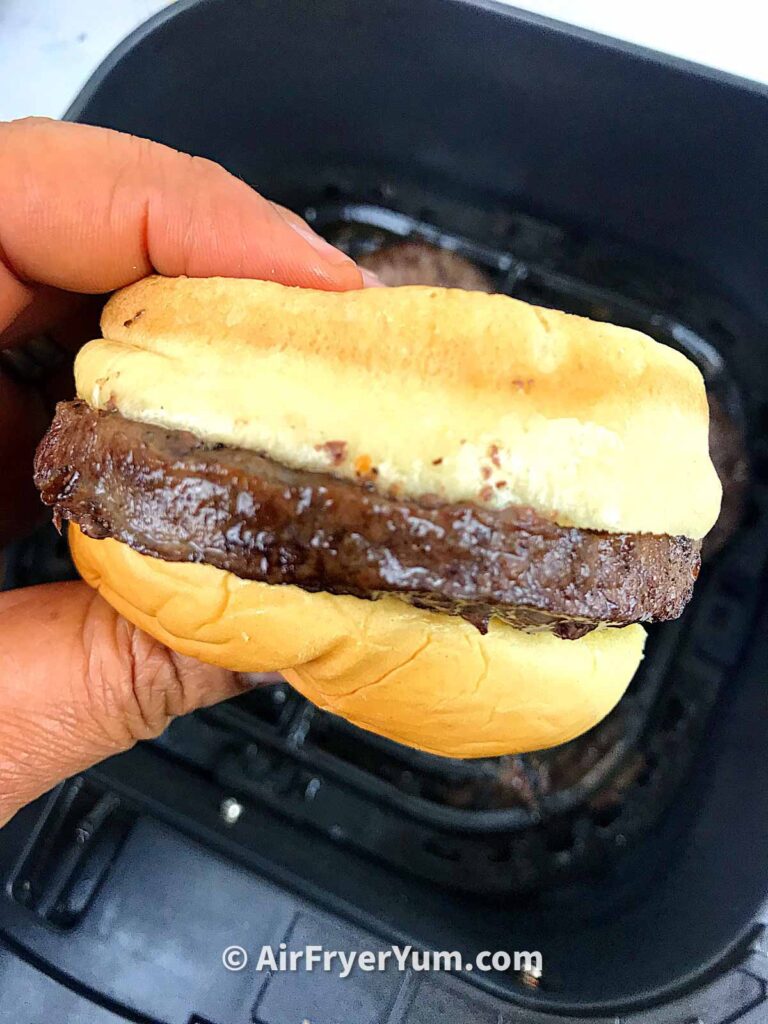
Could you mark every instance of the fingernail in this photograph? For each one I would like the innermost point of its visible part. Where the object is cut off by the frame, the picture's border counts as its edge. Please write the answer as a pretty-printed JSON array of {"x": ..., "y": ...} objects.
[
  {"x": 329, "y": 252},
  {"x": 371, "y": 280}
]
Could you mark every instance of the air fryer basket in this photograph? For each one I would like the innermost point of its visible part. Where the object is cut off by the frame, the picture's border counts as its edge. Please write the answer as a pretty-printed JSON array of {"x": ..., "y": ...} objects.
[
  {"x": 581, "y": 175},
  {"x": 501, "y": 825}
]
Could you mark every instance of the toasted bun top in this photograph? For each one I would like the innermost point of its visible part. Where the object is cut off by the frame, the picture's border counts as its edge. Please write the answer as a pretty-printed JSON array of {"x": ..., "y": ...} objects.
[
  {"x": 465, "y": 395},
  {"x": 431, "y": 681}
]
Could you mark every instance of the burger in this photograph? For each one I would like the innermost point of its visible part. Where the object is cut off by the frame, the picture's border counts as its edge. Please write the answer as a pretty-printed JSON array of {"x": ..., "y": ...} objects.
[
  {"x": 414, "y": 261},
  {"x": 441, "y": 514}
]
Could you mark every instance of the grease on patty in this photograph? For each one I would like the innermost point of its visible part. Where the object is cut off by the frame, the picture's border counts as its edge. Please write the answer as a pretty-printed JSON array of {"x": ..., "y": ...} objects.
[{"x": 171, "y": 495}]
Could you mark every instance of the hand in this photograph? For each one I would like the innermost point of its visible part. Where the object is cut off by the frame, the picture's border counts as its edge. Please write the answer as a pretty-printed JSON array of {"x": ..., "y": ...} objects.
[{"x": 85, "y": 211}]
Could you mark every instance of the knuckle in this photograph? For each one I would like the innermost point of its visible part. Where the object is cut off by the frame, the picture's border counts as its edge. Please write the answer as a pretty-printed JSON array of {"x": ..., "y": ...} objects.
[
  {"x": 136, "y": 685},
  {"x": 151, "y": 688}
]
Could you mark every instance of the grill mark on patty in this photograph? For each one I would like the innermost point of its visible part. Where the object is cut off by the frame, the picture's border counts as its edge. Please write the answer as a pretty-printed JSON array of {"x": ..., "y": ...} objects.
[{"x": 169, "y": 494}]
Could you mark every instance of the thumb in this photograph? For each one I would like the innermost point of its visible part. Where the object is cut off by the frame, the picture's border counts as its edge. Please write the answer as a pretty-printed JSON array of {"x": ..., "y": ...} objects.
[{"x": 79, "y": 683}]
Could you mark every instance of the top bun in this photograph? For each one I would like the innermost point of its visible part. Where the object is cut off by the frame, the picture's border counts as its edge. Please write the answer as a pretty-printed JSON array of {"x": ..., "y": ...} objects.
[{"x": 459, "y": 394}]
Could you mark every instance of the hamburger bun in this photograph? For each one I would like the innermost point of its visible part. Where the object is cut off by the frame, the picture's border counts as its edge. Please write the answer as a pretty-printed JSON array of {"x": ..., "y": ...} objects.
[
  {"x": 463, "y": 395},
  {"x": 428, "y": 680},
  {"x": 442, "y": 396}
]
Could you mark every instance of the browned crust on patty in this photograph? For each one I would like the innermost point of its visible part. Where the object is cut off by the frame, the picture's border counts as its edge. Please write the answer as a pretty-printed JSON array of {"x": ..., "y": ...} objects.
[{"x": 169, "y": 494}]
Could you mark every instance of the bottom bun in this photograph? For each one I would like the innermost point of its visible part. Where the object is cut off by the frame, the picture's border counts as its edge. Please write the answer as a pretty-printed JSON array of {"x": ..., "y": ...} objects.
[{"x": 428, "y": 680}]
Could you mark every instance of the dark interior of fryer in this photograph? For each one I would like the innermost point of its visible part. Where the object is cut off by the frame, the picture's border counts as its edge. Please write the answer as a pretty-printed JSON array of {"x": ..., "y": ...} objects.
[{"x": 649, "y": 838}]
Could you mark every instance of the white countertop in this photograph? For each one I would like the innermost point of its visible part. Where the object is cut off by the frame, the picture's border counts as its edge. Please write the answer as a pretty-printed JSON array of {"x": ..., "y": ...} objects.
[{"x": 48, "y": 48}]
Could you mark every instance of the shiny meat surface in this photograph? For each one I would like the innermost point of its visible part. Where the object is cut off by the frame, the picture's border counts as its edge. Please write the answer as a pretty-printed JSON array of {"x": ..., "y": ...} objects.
[{"x": 169, "y": 494}]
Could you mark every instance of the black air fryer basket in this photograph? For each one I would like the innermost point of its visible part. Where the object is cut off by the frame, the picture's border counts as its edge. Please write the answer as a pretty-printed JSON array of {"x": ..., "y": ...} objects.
[{"x": 578, "y": 173}]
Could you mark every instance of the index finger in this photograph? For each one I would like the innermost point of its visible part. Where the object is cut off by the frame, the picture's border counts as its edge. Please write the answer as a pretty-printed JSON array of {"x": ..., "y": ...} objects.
[{"x": 90, "y": 210}]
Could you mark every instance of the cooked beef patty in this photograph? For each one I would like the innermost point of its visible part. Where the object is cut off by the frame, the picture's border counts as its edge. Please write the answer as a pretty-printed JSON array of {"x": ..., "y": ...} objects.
[
  {"x": 416, "y": 262},
  {"x": 728, "y": 451},
  {"x": 168, "y": 494}
]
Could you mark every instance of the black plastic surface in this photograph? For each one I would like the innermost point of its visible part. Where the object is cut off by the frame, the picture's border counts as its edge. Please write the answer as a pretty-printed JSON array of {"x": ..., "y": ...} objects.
[
  {"x": 464, "y": 116},
  {"x": 613, "y": 785},
  {"x": 468, "y": 96}
]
